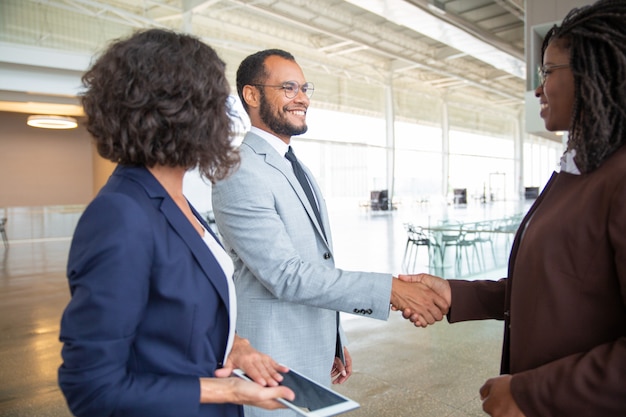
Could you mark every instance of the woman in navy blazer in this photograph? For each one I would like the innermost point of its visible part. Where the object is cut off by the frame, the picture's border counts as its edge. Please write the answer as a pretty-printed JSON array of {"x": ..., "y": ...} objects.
[{"x": 149, "y": 328}]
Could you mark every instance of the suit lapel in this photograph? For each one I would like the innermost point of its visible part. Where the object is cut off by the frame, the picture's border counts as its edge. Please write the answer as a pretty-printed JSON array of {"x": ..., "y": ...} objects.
[
  {"x": 522, "y": 228},
  {"x": 198, "y": 247},
  {"x": 261, "y": 147},
  {"x": 177, "y": 220},
  {"x": 505, "y": 363}
]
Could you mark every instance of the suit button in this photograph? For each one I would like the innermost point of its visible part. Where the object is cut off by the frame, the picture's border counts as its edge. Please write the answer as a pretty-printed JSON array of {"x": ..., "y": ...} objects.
[{"x": 327, "y": 255}]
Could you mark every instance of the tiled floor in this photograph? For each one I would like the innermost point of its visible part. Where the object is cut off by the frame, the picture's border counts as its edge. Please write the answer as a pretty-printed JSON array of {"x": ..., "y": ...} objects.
[{"x": 399, "y": 370}]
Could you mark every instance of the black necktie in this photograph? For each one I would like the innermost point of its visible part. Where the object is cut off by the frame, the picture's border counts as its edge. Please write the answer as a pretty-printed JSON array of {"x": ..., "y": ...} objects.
[
  {"x": 301, "y": 176},
  {"x": 304, "y": 182}
]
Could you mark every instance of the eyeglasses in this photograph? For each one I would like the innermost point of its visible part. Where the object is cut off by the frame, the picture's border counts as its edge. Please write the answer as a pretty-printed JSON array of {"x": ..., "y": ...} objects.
[
  {"x": 546, "y": 70},
  {"x": 291, "y": 88}
]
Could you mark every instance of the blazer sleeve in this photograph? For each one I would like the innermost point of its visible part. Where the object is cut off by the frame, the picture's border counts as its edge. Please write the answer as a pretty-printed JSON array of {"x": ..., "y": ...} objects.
[
  {"x": 245, "y": 207},
  {"x": 477, "y": 300},
  {"x": 109, "y": 273},
  {"x": 585, "y": 384}
]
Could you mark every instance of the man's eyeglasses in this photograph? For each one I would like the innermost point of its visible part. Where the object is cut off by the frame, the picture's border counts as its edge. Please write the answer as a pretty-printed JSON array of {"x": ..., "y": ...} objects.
[
  {"x": 545, "y": 70},
  {"x": 291, "y": 88}
]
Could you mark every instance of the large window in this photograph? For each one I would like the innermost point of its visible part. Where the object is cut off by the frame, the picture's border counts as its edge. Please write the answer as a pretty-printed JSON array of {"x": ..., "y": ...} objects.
[
  {"x": 482, "y": 165},
  {"x": 541, "y": 158},
  {"x": 419, "y": 162},
  {"x": 348, "y": 154}
]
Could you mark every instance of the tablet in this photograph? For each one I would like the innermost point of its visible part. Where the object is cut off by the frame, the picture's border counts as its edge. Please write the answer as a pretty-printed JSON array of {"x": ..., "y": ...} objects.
[{"x": 312, "y": 399}]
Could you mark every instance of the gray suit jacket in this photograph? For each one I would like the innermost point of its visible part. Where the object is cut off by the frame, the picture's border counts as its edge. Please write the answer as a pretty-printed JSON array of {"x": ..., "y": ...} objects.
[{"x": 288, "y": 289}]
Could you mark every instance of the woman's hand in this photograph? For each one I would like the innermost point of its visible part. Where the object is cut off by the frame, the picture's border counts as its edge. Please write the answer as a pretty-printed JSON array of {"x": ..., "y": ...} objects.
[
  {"x": 497, "y": 398},
  {"x": 239, "y": 391},
  {"x": 439, "y": 285},
  {"x": 261, "y": 368}
]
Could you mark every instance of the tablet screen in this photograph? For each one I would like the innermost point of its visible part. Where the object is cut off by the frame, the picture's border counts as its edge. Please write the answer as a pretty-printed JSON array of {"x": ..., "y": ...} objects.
[
  {"x": 310, "y": 395},
  {"x": 312, "y": 399}
]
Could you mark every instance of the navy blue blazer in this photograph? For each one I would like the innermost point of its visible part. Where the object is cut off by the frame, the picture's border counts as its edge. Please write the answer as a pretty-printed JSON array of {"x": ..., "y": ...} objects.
[{"x": 149, "y": 309}]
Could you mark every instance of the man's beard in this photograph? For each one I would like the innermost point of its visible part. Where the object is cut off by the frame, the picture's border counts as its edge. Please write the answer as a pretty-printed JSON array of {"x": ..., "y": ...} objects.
[{"x": 275, "y": 123}]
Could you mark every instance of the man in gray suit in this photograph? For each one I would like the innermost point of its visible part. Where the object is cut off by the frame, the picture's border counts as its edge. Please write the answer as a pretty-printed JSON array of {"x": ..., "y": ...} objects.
[{"x": 288, "y": 289}]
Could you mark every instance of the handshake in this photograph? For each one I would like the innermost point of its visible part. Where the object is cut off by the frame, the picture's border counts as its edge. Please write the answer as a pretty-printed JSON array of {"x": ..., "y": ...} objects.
[{"x": 423, "y": 299}]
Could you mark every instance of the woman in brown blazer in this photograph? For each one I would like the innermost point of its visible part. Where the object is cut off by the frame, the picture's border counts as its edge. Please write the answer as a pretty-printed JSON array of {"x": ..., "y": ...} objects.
[{"x": 564, "y": 300}]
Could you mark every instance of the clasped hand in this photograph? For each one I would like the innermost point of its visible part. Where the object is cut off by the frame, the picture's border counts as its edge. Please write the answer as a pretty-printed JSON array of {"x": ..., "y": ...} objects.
[
  {"x": 261, "y": 368},
  {"x": 423, "y": 299}
]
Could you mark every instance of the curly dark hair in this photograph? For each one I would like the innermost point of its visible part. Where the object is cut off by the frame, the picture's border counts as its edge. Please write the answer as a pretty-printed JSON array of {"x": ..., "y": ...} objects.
[
  {"x": 252, "y": 70},
  {"x": 161, "y": 98},
  {"x": 595, "y": 36}
]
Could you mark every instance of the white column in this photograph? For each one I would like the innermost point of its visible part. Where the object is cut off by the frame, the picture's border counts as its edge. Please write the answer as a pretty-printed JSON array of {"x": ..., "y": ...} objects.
[
  {"x": 445, "y": 149},
  {"x": 518, "y": 156},
  {"x": 391, "y": 137}
]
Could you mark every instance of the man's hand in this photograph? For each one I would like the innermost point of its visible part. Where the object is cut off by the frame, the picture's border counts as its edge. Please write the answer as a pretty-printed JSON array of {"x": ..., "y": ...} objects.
[
  {"x": 424, "y": 305},
  {"x": 439, "y": 285},
  {"x": 261, "y": 368},
  {"x": 340, "y": 373},
  {"x": 497, "y": 398}
]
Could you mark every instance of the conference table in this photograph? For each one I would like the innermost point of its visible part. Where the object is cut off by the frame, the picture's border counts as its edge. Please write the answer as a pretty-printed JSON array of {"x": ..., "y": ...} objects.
[{"x": 467, "y": 238}]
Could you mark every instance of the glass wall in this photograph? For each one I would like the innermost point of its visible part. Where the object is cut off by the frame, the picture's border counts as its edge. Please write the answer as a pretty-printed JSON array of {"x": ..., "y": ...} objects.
[
  {"x": 419, "y": 162},
  {"x": 482, "y": 165},
  {"x": 541, "y": 158},
  {"x": 348, "y": 155}
]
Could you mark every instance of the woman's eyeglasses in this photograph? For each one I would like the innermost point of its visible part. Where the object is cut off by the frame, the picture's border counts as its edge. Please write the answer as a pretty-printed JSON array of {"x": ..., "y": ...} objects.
[{"x": 546, "y": 70}]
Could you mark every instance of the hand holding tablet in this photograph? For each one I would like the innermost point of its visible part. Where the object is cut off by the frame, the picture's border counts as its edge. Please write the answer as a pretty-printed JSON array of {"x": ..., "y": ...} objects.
[{"x": 312, "y": 399}]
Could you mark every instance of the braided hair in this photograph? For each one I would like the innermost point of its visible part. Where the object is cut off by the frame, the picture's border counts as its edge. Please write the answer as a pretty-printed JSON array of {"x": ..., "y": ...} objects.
[{"x": 595, "y": 36}]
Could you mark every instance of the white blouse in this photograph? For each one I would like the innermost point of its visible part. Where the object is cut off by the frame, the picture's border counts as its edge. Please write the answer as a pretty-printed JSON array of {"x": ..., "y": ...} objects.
[
  {"x": 227, "y": 266},
  {"x": 567, "y": 162}
]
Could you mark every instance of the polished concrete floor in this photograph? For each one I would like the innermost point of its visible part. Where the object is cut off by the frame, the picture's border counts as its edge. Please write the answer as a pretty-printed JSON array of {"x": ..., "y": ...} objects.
[{"x": 399, "y": 370}]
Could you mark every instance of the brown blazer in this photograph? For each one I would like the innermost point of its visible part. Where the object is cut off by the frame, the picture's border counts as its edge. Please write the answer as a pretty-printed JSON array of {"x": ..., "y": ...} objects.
[{"x": 564, "y": 301}]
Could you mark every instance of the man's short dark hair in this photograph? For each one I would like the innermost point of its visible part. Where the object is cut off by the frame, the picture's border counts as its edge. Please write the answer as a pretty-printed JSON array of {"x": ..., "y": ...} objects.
[{"x": 252, "y": 70}]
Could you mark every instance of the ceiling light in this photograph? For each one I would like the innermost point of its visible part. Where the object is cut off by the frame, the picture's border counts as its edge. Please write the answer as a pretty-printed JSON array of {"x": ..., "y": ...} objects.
[{"x": 52, "y": 122}]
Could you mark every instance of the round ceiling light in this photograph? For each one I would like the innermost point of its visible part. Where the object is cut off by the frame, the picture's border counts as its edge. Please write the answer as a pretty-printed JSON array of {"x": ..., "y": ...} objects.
[{"x": 52, "y": 122}]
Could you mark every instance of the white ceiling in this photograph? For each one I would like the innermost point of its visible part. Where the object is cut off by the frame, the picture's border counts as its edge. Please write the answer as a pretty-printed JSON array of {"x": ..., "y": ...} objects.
[{"x": 469, "y": 53}]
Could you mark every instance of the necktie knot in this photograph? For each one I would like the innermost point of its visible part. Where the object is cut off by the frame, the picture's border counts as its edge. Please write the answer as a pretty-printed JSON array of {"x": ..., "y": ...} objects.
[{"x": 291, "y": 156}]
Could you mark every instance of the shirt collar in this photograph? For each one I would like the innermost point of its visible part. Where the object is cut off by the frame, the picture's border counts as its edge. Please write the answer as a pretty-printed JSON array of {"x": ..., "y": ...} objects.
[
  {"x": 280, "y": 146},
  {"x": 568, "y": 164}
]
